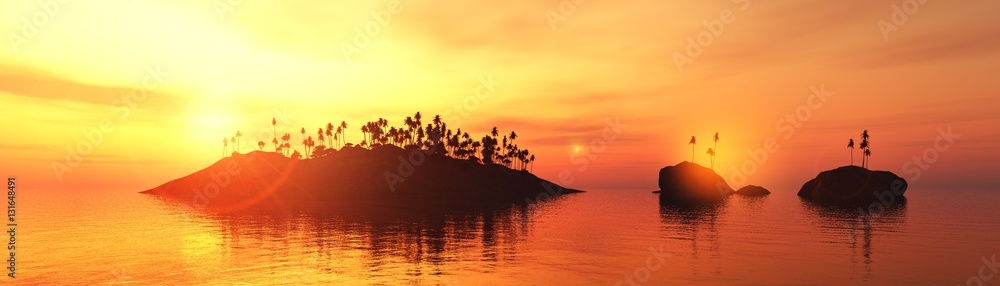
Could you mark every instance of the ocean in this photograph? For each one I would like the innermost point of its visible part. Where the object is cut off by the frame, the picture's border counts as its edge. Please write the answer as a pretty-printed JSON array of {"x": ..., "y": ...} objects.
[{"x": 601, "y": 237}]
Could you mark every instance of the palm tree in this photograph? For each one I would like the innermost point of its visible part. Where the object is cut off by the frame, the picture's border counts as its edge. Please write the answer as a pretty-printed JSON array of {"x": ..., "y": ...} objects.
[
  {"x": 336, "y": 137},
  {"x": 532, "y": 160},
  {"x": 343, "y": 128},
  {"x": 225, "y": 145},
  {"x": 716, "y": 139},
  {"x": 287, "y": 138},
  {"x": 305, "y": 147},
  {"x": 868, "y": 153},
  {"x": 329, "y": 132},
  {"x": 319, "y": 136},
  {"x": 850, "y": 144},
  {"x": 238, "y": 135},
  {"x": 303, "y": 131},
  {"x": 416, "y": 125},
  {"x": 309, "y": 145},
  {"x": 505, "y": 146},
  {"x": 864, "y": 146},
  {"x": 260, "y": 145},
  {"x": 693, "y": 143},
  {"x": 274, "y": 128},
  {"x": 233, "y": 140},
  {"x": 711, "y": 154}
]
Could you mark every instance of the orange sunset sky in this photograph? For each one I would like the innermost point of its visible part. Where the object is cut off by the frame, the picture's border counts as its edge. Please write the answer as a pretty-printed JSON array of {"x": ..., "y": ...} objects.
[{"x": 907, "y": 71}]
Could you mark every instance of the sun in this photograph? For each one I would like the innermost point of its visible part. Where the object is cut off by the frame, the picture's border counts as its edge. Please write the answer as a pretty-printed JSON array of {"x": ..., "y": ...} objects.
[{"x": 210, "y": 122}]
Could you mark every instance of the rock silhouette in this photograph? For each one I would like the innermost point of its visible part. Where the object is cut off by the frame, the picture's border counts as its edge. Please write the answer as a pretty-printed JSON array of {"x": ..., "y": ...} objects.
[
  {"x": 384, "y": 173},
  {"x": 751, "y": 190},
  {"x": 687, "y": 182},
  {"x": 853, "y": 185}
]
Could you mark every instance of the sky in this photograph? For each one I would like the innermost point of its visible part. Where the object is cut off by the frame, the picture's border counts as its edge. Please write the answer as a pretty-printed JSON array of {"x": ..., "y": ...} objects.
[{"x": 115, "y": 94}]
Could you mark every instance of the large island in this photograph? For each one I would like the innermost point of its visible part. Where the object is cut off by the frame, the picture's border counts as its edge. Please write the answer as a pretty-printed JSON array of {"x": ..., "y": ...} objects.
[{"x": 355, "y": 175}]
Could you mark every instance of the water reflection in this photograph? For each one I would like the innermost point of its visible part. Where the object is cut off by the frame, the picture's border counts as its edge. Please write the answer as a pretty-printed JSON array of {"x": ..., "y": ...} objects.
[
  {"x": 843, "y": 225},
  {"x": 388, "y": 241},
  {"x": 694, "y": 223}
]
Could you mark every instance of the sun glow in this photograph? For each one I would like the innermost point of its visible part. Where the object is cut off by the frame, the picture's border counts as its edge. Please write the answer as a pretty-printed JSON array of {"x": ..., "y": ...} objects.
[{"x": 210, "y": 121}]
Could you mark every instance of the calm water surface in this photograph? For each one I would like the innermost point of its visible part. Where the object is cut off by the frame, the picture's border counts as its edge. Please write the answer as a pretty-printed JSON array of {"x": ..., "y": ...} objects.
[{"x": 601, "y": 237}]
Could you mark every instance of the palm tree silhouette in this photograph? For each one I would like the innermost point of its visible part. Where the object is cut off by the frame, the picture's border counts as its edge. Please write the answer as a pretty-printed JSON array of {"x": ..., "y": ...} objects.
[
  {"x": 495, "y": 148},
  {"x": 319, "y": 136},
  {"x": 868, "y": 153},
  {"x": 303, "y": 131},
  {"x": 225, "y": 144},
  {"x": 864, "y": 146},
  {"x": 693, "y": 143},
  {"x": 716, "y": 139},
  {"x": 286, "y": 145},
  {"x": 238, "y": 135},
  {"x": 850, "y": 144},
  {"x": 532, "y": 160},
  {"x": 343, "y": 128},
  {"x": 329, "y": 133},
  {"x": 711, "y": 154},
  {"x": 309, "y": 145},
  {"x": 513, "y": 135},
  {"x": 274, "y": 127}
]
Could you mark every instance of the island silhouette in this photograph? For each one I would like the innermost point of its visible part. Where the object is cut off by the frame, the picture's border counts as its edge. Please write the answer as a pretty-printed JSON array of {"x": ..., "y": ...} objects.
[
  {"x": 412, "y": 164},
  {"x": 688, "y": 183},
  {"x": 855, "y": 185}
]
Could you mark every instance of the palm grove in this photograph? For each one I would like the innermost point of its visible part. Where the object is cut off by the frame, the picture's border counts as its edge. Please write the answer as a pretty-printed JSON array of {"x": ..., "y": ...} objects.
[{"x": 412, "y": 135}]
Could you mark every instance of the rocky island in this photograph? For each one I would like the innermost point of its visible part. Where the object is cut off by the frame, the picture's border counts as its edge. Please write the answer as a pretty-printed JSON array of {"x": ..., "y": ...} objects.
[
  {"x": 853, "y": 185},
  {"x": 753, "y": 191},
  {"x": 688, "y": 182}
]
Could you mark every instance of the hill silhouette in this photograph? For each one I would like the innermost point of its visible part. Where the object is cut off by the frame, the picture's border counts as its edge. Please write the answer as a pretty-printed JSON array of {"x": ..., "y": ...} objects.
[{"x": 385, "y": 173}]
